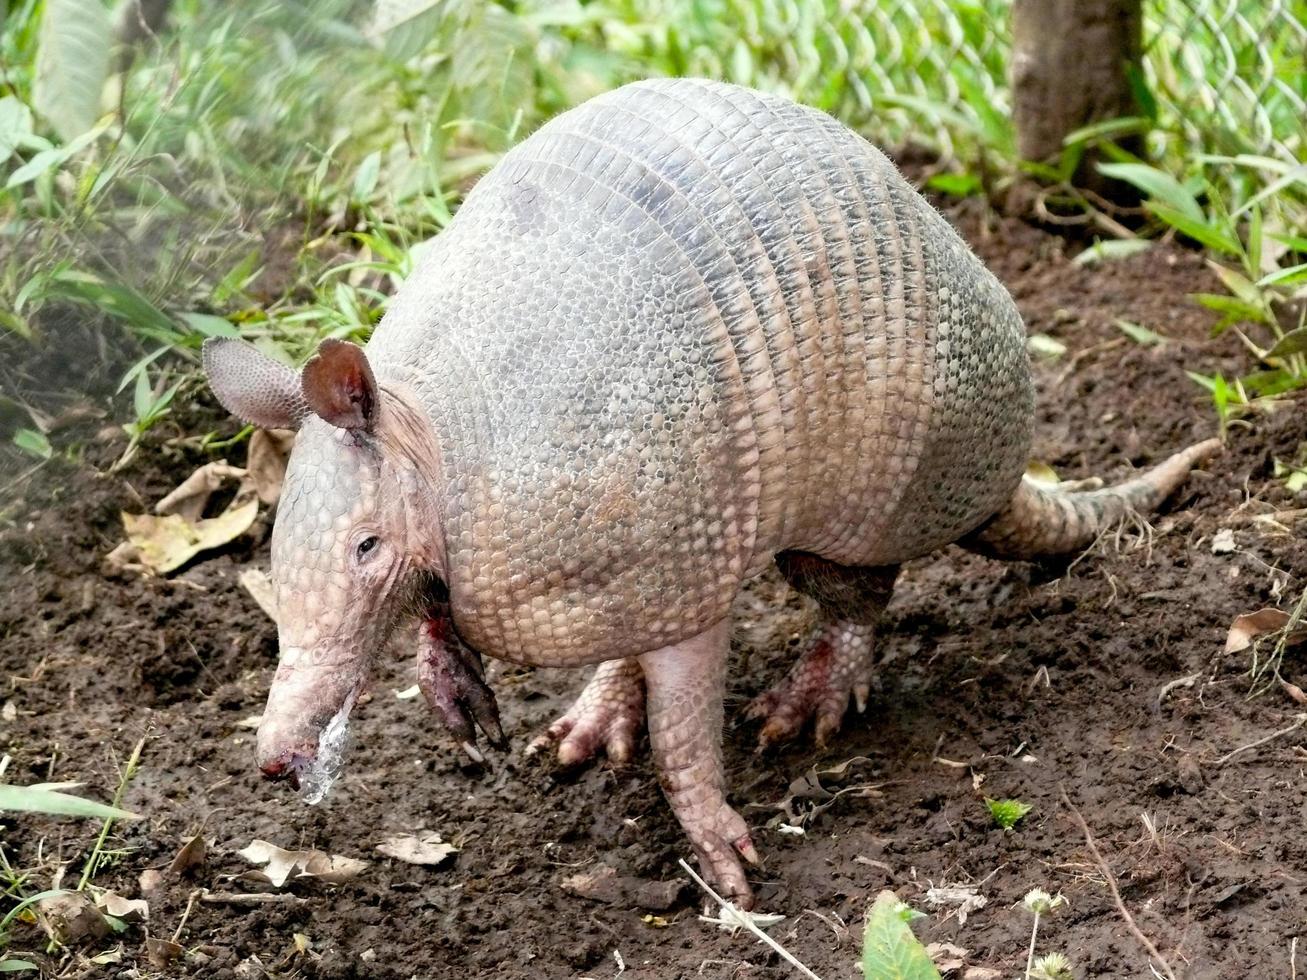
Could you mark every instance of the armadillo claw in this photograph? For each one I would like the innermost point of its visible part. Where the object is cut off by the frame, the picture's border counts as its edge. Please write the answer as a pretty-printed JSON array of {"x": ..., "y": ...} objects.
[
  {"x": 607, "y": 714},
  {"x": 452, "y": 680},
  {"x": 835, "y": 665},
  {"x": 720, "y": 837}
]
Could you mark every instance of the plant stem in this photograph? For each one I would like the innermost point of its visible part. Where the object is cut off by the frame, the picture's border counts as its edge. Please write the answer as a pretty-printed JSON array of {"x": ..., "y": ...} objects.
[
  {"x": 89, "y": 868},
  {"x": 1030, "y": 959}
]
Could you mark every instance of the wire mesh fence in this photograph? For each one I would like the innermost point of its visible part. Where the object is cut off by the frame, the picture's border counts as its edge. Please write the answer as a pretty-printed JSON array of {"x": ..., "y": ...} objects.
[{"x": 1228, "y": 76}]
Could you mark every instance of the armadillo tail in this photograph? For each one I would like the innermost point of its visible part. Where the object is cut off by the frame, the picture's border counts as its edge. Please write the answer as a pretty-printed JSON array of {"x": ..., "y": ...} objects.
[{"x": 1041, "y": 521}]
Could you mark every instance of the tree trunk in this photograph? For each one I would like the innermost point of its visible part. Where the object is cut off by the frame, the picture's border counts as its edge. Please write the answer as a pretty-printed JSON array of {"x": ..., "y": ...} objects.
[{"x": 1070, "y": 67}]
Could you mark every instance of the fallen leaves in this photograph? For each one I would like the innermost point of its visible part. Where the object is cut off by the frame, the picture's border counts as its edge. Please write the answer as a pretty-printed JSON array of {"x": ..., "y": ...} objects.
[
  {"x": 816, "y": 791},
  {"x": 282, "y": 865},
  {"x": 166, "y": 540},
  {"x": 1248, "y": 627},
  {"x": 424, "y": 848},
  {"x": 603, "y": 884},
  {"x": 177, "y": 531},
  {"x": 193, "y": 853},
  {"x": 960, "y": 900}
]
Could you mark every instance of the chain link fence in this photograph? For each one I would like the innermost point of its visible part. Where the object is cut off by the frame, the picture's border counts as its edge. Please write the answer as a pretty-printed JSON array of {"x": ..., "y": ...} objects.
[{"x": 1227, "y": 76}]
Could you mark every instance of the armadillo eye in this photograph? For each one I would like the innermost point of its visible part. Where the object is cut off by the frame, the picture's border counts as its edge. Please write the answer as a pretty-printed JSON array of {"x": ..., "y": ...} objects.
[{"x": 366, "y": 545}]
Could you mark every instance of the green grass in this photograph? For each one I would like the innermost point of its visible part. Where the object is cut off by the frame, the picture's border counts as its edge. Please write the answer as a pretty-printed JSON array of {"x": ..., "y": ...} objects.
[{"x": 270, "y": 169}]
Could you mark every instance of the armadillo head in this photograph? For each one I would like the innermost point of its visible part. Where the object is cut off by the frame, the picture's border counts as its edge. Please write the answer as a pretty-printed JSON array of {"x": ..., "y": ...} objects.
[{"x": 357, "y": 535}]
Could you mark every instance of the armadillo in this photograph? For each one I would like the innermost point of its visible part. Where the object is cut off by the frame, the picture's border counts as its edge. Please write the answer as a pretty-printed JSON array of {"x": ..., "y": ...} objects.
[{"x": 681, "y": 332}]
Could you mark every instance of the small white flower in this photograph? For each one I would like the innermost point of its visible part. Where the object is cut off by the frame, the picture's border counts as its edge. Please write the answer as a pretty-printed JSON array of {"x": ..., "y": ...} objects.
[{"x": 1040, "y": 902}]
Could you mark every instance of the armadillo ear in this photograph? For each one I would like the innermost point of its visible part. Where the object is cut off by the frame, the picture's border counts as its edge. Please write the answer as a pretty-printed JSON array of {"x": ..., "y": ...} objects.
[
  {"x": 252, "y": 386},
  {"x": 338, "y": 385}
]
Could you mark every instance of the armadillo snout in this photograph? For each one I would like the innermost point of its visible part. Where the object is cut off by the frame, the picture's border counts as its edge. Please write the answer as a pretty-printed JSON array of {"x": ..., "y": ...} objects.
[{"x": 287, "y": 767}]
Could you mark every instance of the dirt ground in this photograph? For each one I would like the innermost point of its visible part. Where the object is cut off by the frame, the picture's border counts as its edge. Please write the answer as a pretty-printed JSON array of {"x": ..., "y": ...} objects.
[{"x": 997, "y": 680}]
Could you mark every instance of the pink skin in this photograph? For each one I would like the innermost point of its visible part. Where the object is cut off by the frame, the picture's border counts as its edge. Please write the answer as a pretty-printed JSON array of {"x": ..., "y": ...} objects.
[
  {"x": 836, "y": 664},
  {"x": 686, "y": 682},
  {"x": 608, "y": 715}
]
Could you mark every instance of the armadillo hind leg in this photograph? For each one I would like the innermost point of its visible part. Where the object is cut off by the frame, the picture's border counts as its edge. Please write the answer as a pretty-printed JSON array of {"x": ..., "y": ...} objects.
[
  {"x": 608, "y": 715},
  {"x": 1042, "y": 522},
  {"x": 686, "y": 682},
  {"x": 837, "y": 662}
]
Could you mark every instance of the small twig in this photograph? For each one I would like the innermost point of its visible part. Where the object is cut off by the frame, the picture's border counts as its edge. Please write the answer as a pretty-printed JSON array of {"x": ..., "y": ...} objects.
[
  {"x": 743, "y": 919},
  {"x": 1297, "y": 723},
  {"x": 253, "y": 898},
  {"x": 1116, "y": 894},
  {"x": 190, "y": 904}
]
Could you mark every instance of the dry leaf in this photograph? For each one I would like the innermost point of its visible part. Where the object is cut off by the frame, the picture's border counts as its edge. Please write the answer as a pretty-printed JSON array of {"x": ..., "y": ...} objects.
[
  {"x": 150, "y": 881},
  {"x": 266, "y": 462},
  {"x": 127, "y": 909},
  {"x": 70, "y": 917},
  {"x": 962, "y": 900},
  {"x": 192, "y": 855},
  {"x": 283, "y": 865},
  {"x": 190, "y": 498},
  {"x": 252, "y": 722},
  {"x": 161, "y": 952},
  {"x": 1249, "y": 626},
  {"x": 603, "y": 884},
  {"x": 109, "y": 956},
  {"x": 259, "y": 585},
  {"x": 164, "y": 541},
  {"x": 807, "y": 796},
  {"x": 163, "y": 544},
  {"x": 947, "y": 957},
  {"x": 421, "y": 848},
  {"x": 1223, "y": 542},
  {"x": 981, "y": 973},
  {"x": 8, "y": 712}
]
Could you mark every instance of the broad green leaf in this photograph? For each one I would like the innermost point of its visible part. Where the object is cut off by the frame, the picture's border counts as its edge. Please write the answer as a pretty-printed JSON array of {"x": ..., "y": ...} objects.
[
  {"x": 1160, "y": 186},
  {"x": 889, "y": 949},
  {"x": 72, "y": 63},
  {"x": 1291, "y": 276},
  {"x": 34, "y": 443},
  {"x": 405, "y": 27},
  {"x": 16, "y": 966},
  {"x": 210, "y": 326},
  {"x": 1112, "y": 249},
  {"x": 1199, "y": 230},
  {"x": 33, "y": 799},
  {"x": 957, "y": 185},
  {"x": 1294, "y": 342},
  {"x": 15, "y": 123},
  {"x": 1140, "y": 334},
  {"x": 365, "y": 181}
]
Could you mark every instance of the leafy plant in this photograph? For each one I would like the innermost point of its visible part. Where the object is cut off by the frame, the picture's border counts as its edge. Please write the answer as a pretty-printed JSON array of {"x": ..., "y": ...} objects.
[
  {"x": 889, "y": 949},
  {"x": 1006, "y": 813}
]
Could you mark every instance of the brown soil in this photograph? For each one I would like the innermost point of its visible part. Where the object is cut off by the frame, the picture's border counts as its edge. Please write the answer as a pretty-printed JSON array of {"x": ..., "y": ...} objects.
[{"x": 999, "y": 680}]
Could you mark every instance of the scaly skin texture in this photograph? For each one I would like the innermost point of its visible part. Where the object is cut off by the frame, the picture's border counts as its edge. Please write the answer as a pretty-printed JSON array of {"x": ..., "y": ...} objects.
[{"x": 681, "y": 329}]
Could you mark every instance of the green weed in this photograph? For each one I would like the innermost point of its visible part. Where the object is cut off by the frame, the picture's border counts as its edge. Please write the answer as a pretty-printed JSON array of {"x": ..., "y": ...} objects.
[{"x": 1006, "y": 813}]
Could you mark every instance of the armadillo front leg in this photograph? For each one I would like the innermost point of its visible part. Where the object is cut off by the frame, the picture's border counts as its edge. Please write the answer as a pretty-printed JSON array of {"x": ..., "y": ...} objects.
[
  {"x": 608, "y": 715},
  {"x": 452, "y": 680},
  {"x": 686, "y": 683},
  {"x": 837, "y": 662}
]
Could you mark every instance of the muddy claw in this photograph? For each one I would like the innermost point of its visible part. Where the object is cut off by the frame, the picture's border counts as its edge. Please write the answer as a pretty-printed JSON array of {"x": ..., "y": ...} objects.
[{"x": 452, "y": 680}]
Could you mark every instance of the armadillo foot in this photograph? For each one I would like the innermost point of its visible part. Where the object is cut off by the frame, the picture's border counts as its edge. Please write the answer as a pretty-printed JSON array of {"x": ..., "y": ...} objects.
[
  {"x": 452, "y": 680},
  {"x": 608, "y": 714},
  {"x": 836, "y": 664}
]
